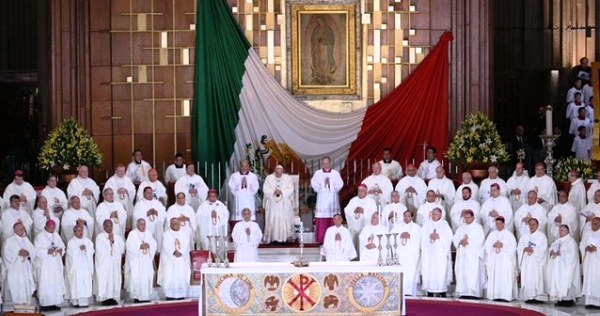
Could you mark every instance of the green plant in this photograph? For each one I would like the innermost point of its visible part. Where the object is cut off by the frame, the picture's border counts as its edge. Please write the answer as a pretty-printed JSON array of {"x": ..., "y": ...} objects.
[
  {"x": 585, "y": 169},
  {"x": 477, "y": 140},
  {"x": 69, "y": 145}
]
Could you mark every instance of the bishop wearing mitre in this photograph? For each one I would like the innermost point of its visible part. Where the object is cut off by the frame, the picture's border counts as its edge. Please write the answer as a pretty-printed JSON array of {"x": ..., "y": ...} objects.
[
  {"x": 212, "y": 219},
  {"x": 338, "y": 245}
]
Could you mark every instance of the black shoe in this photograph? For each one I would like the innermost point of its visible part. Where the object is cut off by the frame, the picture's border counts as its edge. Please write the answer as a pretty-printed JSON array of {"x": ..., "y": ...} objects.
[
  {"x": 105, "y": 303},
  {"x": 136, "y": 301},
  {"x": 569, "y": 303},
  {"x": 442, "y": 294},
  {"x": 559, "y": 304},
  {"x": 46, "y": 308},
  {"x": 55, "y": 308},
  {"x": 592, "y": 307},
  {"x": 500, "y": 300},
  {"x": 468, "y": 297},
  {"x": 429, "y": 294},
  {"x": 534, "y": 301}
]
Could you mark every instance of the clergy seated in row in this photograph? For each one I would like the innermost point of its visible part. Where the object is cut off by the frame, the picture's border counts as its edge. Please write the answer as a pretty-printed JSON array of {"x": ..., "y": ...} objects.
[
  {"x": 359, "y": 209},
  {"x": 154, "y": 215},
  {"x": 436, "y": 262},
  {"x": 467, "y": 181},
  {"x": 111, "y": 210},
  {"x": 56, "y": 198},
  {"x": 193, "y": 186},
  {"x": 392, "y": 211},
  {"x": 110, "y": 247},
  {"x": 139, "y": 263},
  {"x": 15, "y": 214},
  {"x": 86, "y": 189},
  {"x": 563, "y": 273},
  {"x": 174, "y": 269},
  {"x": 563, "y": 213},
  {"x": 390, "y": 167},
  {"x": 21, "y": 188},
  {"x": 469, "y": 267},
  {"x": 176, "y": 170},
  {"x": 590, "y": 252},
  {"x": 494, "y": 207},
  {"x": 246, "y": 236},
  {"x": 515, "y": 185},
  {"x": 500, "y": 261},
  {"x": 461, "y": 204},
  {"x": 18, "y": 253},
  {"x": 577, "y": 194},
  {"x": 443, "y": 188},
  {"x": 486, "y": 184},
  {"x": 427, "y": 167},
  {"x": 425, "y": 211},
  {"x": 528, "y": 211},
  {"x": 595, "y": 186},
  {"x": 48, "y": 269},
  {"x": 41, "y": 215},
  {"x": 212, "y": 218},
  {"x": 76, "y": 216},
  {"x": 186, "y": 216},
  {"x": 79, "y": 268},
  {"x": 378, "y": 185},
  {"x": 532, "y": 254},
  {"x": 586, "y": 215},
  {"x": 338, "y": 244},
  {"x": 124, "y": 189},
  {"x": 243, "y": 184},
  {"x": 326, "y": 183},
  {"x": 409, "y": 250},
  {"x": 138, "y": 169},
  {"x": 412, "y": 189},
  {"x": 159, "y": 191},
  {"x": 278, "y": 192},
  {"x": 369, "y": 241},
  {"x": 543, "y": 185}
]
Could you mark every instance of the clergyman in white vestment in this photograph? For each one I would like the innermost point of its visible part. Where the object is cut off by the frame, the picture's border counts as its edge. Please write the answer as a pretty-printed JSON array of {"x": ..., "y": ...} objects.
[
  {"x": 41, "y": 215},
  {"x": 76, "y": 215},
  {"x": 153, "y": 213},
  {"x": 469, "y": 269},
  {"x": 390, "y": 167},
  {"x": 515, "y": 186},
  {"x": 23, "y": 189},
  {"x": 110, "y": 248},
  {"x": 436, "y": 261},
  {"x": 544, "y": 186},
  {"x": 186, "y": 216},
  {"x": 590, "y": 252},
  {"x": 369, "y": 240},
  {"x": 409, "y": 250},
  {"x": 563, "y": 275},
  {"x": 159, "y": 191},
  {"x": 278, "y": 191},
  {"x": 138, "y": 169},
  {"x": 176, "y": 170},
  {"x": 338, "y": 245},
  {"x": 17, "y": 254},
  {"x": 86, "y": 189},
  {"x": 124, "y": 189},
  {"x": 193, "y": 186},
  {"x": 358, "y": 211},
  {"x": 139, "y": 262},
  {"x": 465, "y": 202},
  {"x": 57, "y": 199},
  {"x": 467, "y": 181},
  {"x": 528, "y": 211},
  {"x": 48, "y": 270},
  {"x": 212, "y": 219},
  {"x": 427, "y": 166},
  {"x": 243, "y": 185},
  {"x": 485, "y": 186},
  {"x": 562, "y": 213},
  {"x": 412, "y": 189},
  {"x": 532, "y": 252},
  {"x": 247, "y": 236},
  {"x": 79, "y": 268},
  {"x": 15, "y": 214},
  {"x": 174, "y": 270},
  {"x": 501, "y": 263},
  {"x": 326, "y": 183},
  {"x": 378, "y": 185},
  {"x": 111, "y": 210}
]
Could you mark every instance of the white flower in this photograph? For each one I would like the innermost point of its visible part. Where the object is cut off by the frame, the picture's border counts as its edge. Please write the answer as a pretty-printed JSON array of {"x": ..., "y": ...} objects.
[{"x": 493, "y": 158}]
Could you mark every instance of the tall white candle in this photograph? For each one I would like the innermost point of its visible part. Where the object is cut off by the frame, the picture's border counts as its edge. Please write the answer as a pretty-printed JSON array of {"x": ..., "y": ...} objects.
[{"x": 548, "y": 120}]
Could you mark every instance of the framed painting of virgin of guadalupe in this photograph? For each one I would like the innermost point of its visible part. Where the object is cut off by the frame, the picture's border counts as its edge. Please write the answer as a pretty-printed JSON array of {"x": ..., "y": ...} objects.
[{"x": 323, "y": 49}]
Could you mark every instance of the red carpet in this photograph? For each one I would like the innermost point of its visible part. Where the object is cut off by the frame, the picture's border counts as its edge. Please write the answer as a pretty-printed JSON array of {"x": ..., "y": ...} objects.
[{"x": 414, "y": 308}]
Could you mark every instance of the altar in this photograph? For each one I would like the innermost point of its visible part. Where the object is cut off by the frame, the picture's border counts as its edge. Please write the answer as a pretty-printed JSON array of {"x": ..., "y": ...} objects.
[{"x": 344, "y": 288}]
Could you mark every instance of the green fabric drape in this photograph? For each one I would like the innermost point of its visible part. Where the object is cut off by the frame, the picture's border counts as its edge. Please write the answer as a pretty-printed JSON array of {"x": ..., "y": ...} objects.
[{"x": 221, "y": 50}]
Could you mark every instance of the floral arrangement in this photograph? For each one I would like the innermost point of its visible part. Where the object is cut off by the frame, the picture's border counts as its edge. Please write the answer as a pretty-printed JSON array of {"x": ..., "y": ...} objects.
[
  {"x": 585, "y": 169},
  {"x": 69, "y": 145},
  {"x": 477, "y": 140}
]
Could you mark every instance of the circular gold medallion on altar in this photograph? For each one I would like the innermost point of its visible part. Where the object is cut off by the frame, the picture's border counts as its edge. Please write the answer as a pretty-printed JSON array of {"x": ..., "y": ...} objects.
[
  {"x": 301, "y": 292},
  {"x": 368, "y": 291},
  {"x": 234, "y": 293}
]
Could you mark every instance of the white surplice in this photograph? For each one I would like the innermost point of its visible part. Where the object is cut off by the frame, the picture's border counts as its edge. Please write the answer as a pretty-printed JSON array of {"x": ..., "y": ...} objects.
[
  {"x": 155, "y": 224},
  {"x": 138, "y": 172},
  {"x": 186, "y": 183},
  {"x": 501, "y": 205},
  {"x": 501, "y": 266},
  {"x": 425, "y": 211},
  {"x": 563, "y": 274},
  {"x": 568, "y": 216},
  {"x": 139, "y": 265},
  {"x": 246, "y": 246},
  {"x": 536, "y": 211},
  {"x": 48, "y": 270},
  {"x": 445, "y": 188},
  {"x": 107, "y": 280},
  {"x": 458, "y": 208},
  {"x": 57, "y": 200},
  {"x": 174, "y": 272},
  {"x": 279, "y": 210},
  {"x": 327, "y": 195},
  {"x": 69, "y": 220},
  {"x": 25, "y": 189},
  {"x": 532, "y": 266},
  {"x": 577, "y": 194},
  {"x": 412, "y": 201},
  {"x": 17, "y": 271},
  {"x": 76, "y": 187},
  {"x": 427, "y": 168},
  {"x": 338, "y": 250},
  {"x": 485, "y": 188},
  {"x": 474, "y": 191},
  {"x": 591, "y": 262},
  {"x": 159, "y": 192},
  {"x": 126, "y": 199},
  {"x": 436, "y": 260},
  {"x": 79, "y": 268},
  {"x": 595, "y": 186},
  {"x": 545, "y": 188},
  {"x": 104, "y": 211},
  {"x": 244, "y": 197},
  {"x": 409, "y": 254},
  {"x": 39, "y": 221},
  {"x": 356, "y": 221},
  {"x": 173, "y": 173},
  {"x": 189, "y": 227},
  {"x": 379, "y": 182},
  {"x": 585, "y": 225},
  {"x": 391, "y": 169},
  {"x": 469, "y": 268},
  {"x": 206, "y": 226},
  {"x": 12, "y": 216},
  {"x": 517, "y": 182}
]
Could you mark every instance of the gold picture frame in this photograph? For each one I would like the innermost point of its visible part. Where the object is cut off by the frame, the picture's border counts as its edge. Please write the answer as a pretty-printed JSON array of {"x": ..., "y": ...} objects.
[{"x": 323, "y": 49}]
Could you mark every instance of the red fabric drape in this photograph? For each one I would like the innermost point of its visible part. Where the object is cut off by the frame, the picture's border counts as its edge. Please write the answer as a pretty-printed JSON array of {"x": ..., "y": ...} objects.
[{"x": 414, "y": 113}]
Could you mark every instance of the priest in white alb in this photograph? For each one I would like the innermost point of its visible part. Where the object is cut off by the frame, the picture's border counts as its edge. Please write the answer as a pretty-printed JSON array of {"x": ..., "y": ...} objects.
[
  {"x": 390, "y": 167},
  {"x": 139, "y": 263},
  {"x": 494, "y": 207},
  {"x": 443, "y": 188},
  {"x": 124, "y": 189},
  {"x": 41, "y": 215},
  {"x": 412, "y": 189},
  {"x": 585, "y": 216},
  {"x": 338, "y": 244},
  {"x": 357, "y": 210},
  {"x": 15, "y": 214},
  {"x": 154, "y": 215},
  {"x": 563, "y": 213},
  {"x": 79, "y": 268},
  {"x": 174, "y": 269},
  {"x": 138, "y": 168},
  {"x": 176, "y": 170},
  {"x": 427, "y": 166},
  {"x": 577, "y": 194},
  {"x": 159, "y": 192},
  {"x": 590, "y": 252},
  {"x": 467, "y": 181},
  {"x": 563, "y": 275},
  {"x": 528, "y": 211},
  {"x": 111, "y": 210},
  {"x": 532, "y": 254},
  {"x": 76, "y": 215},
  {"x": 369, "y": 242},
  {"x": 212, "y": 219},
  {"x": 186, "y": 216},
  {"x": 436, "y": 260},
  {"x": 110, "y": 248},
  {"x": 246, "y": 236},
  {"x": 595, "y": 186},
  {"x": 378, "y": 185},
  {"x": 48, "y": 270},
  {"x": 516, "y": 186},
  {"x": 501, "y": 263},
  {"x": 408, "y": 239},
  {"x": 327, "y": 183},
  {"x": 57, "y": 199},
  {"x": 544, "y": 186},
  {"x": 392, "y": 212},
  {"x": 465, "y": 202},
  {"x": 193, "y": 186},
  {"x": 86, "y": 189},
  {"x": 23, "y": 189},
  {"x": 17, "y": 255},
  {"x": 469, "y": 269},
  {"x": 486, "y": 184},
  {"x": 243, "y": 185},
  {"x": 425, "y": 211},
  {"x": 278, "y": 191}
]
